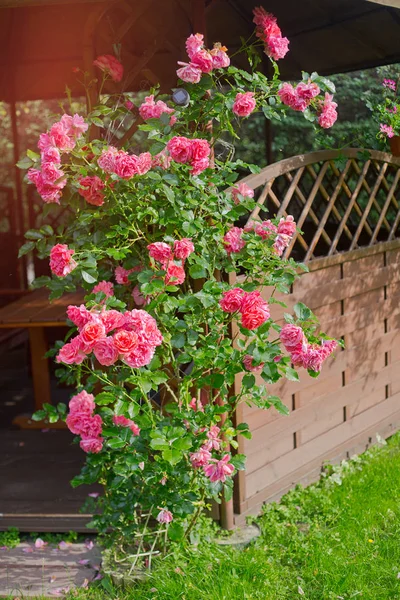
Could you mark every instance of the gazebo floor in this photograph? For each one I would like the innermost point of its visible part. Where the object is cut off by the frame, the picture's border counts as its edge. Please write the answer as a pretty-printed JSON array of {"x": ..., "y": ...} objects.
[{"x": 35, "y": 472}]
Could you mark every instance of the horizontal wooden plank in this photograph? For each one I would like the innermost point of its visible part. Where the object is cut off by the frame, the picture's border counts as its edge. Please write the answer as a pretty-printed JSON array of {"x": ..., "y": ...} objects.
[
  {"x": 35, "y": 309},
  {"x": 320, "y": 446}
]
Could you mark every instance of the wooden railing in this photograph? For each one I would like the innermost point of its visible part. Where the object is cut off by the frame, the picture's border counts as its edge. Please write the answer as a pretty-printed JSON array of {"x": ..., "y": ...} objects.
[{"x": 340, "y": 200}]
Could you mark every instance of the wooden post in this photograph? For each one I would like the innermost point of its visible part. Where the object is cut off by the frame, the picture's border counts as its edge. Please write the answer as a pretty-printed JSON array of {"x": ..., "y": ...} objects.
[
  {"x": 19, "y": 211},
  {"x": 40, "y": 367}
]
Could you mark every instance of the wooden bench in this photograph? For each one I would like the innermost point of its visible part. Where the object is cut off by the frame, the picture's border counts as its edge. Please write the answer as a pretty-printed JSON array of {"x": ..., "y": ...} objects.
[{"x": 35, "y": 313}]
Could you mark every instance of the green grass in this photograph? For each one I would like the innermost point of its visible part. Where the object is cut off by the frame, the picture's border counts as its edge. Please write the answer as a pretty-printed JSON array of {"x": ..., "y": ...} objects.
[{"x": 338, "y": 539}]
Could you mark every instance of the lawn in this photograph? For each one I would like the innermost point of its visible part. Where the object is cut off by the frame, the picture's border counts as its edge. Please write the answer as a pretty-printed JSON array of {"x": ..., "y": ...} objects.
[{"x": 338, "y": 539}]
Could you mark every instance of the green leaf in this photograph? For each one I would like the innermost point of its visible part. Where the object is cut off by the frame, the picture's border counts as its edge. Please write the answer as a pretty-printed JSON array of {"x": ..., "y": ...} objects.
[
  {"x": 302, "y": 311},
  {"x": 175, "y": 532},
  {"x": 32, "y": 234},
  {"x": 28, "y": 247},
  {"x": 197, "y": 272},
  {"x": 105, "y": 398},
  {"x": 24, "y": 163},
  {"x": 291, "y": 374},
  {"x": 172, "y": 455},
  {"x": 239, "y": 461},
  {"x": 248, "y": 381},
  {"x": 39, "y": 415},
  {"x": 178, "y": 340},
  {"x": 33, "y": 155},
  {"x": 115, "y": 443},
  {"x": 88, "y": 277}
]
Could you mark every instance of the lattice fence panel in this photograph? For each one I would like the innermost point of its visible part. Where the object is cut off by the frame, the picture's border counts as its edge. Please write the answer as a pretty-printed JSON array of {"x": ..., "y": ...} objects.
[{"x": 340, "y": 202}]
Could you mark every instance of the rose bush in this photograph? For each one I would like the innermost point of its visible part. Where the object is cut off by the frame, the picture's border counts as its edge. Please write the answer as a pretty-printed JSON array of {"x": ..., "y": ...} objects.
[{"x": 152, "y": 239}]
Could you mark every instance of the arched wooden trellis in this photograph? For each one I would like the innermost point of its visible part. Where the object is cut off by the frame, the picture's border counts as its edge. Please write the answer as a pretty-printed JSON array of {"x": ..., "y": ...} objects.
[{"x": 347, "y": 204}]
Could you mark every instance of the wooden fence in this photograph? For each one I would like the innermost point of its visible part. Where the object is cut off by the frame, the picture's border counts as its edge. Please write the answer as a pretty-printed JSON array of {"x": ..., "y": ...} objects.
[{"x": 349, "y": 204}]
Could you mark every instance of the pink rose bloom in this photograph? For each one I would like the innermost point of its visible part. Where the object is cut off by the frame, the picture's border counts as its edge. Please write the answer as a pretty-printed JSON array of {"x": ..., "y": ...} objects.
[
  {"x": 194, "y": 44},
  {"x": 291, "y": 336},
  {"x": 219, "y": 56},
  {"x": 153, "y": 110},
  {"x": 189, "y": 73},
  {"x": 198, "y": 166},
  {"x": 248, "y": 364},
  {"x": 84, "y": 424},
  {"x": 255, "y": 310},
  {"x": 91, "y": 188},
  {"x": 389, "y": 83},
  {"x": 110, "y": 65},
  {"x": 125, "y": 165},
  {"x": 160, "y": 251},
  {"x": 214, "y": 441},
  {"x": 140, "y": 356},
  {"x": 106, "y": 352},
  {"x": 287, "y": 226},
  {"x": 233, "y": 240},
  {"x": 244, "y": 104},
  {"x": 180, "y": 149},
  {"x": 278, "y": 47},
  {"x": 93, "y": 445},
  {"x": 231, "y": 300},
  {"x": 281, "y": 243},
  {"x": 196, "y": 405},
  {"x": 125, "y": 341},
  {"x": 203, "y": 60},
  {"x": 124, "y": 422},
  {"x": 82, "y": 402},
  {"x": 45, "y": 143},
  {"x": 200, "y": 149},
  {"x": 175, "y": 274},
  {"x": 144, "y": 325},
  {"x": 74, "y": 126},
  {"x": 243, "y": 190},
  {"x": 328, "y": 114},
  {"x": 106, "y": 161},
  {"x": 128, "y": 104},
  {"x": 72, "y": 353},
  {"x": 183, "y": 248},
  {"x": 200, "y": 458},
  {"x": 219, "y": 470},
  {"x": 50, "y": 154},
  {"x": 61, "y": 261},
  {"x": 164, "y": 516},
  {"x": 50, "y": 172},
  {"x": 307, "y": 91},
  {"x": 92, "y": 332},
  {"x": 79, "y": 315},
  {"x": 112, "y": 319},
  {"x": 289, "y": 96},
  {"x": 386, "y": 130},
  {"x": 138, "y": 297},
  {"x": 59, "y": 137},
  {"x": 121, "y": 275},
  {"x": 265, "y": 229},
  {"x": 144, "y": 163},
  {"x": 104, "y": 286},
  {"x": 313, "y": 358},
  {"x": 297, "y": 354},
  {"x": 328, "y": 347}
]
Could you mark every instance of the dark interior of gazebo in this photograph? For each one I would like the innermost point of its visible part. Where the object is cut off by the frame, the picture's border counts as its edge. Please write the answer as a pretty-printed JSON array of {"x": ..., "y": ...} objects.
[{"x": 42, "y": 44}]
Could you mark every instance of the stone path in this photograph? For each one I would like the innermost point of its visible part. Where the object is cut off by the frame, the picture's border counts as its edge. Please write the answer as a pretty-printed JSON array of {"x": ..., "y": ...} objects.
[{"x": 48, "y": 572}]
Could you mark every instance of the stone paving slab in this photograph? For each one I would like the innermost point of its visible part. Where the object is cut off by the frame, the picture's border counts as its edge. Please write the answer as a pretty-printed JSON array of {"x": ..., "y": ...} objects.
[{"x": 46, "y": 572}]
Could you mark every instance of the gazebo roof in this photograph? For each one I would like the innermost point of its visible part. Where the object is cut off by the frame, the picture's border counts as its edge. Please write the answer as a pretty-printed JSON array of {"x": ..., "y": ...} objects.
[{"x": 41, "y": 41}]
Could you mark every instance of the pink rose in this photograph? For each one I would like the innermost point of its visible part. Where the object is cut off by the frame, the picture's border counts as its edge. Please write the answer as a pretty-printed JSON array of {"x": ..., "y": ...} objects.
[
  {"x": 183, "y": 248},
  {"x": 255, "y": 310},
  {"x": 59, "y": 137},
  {"x": 313, "y": 358},
  {"x": 203, "y": 60},
  {"x": 144, "y": 163},
  {"x": 84, "y": 424},
  {"x": 287, "y": 226},
  {"x": 128, "y": 104},
  {"x": 189, "y": 73},
  {"x": 175, "y": 275},
  {"x": 144, "y": 325},
  {"x": 328, "y": 347},
  {"x": 125, "y": 165},
  {"x": 248, "y": 364},
  {"x": 92, "y": 332},
  {"x": 231, "y": 300},
  {"x": 219, "y": 470},
  {"x": 233, "y": 240},
  {"x": 200, "y": 149},
  {"x": 243, "y": 190},
  {"x": 164, "y": 516},
  {"x": 121, "y": 275},
  {"x": 291, "y": 336},
  {"x": 93, "y": 445},
  {"x": 200, "y": 458},
  {"x": 180, "y": 149},
  {"x": 50, "y": 172},
  {"x": 112, "y": 319},
  {"x": 61, "y": 261},
  {"x": 110, "y": 65},
  {"x": 297, "y": 354},
  {"x": 106, "y": 161},
  {"x": 91, "y": 189},
  {"x": 138, "y": 297},
  {"x": 278, "y": 47},
  {"x": 79, "y": 315},
  {"x": 307, "y": 91},
  {"x": 162, "y": 160},
  {"x": 198, "y": 166},
  {"x": 50, "y": 154},
  {"x": 74, "y": 126},
  {"x": 213, "y": 440},
  {"x": 244, "y": 104},
  {"x": 281, "y": 243},
  {"x": 219, "y": 56},
  {"x": 106, "y": 352},
  {"x": 125, "y": 341},
  {"x": 328, "y": 114},
  {"x": 104, "y": 286},
  {"x": 153, "y": 110},
  {"x": 124, "y": 422},
  {"x": 194, "y": 44},
  {"x": 140, "y": 356},
  {"x": 82, "y": 402},
  {"x": 160, "y": 251},
  {"x": 72, "y": 353}
]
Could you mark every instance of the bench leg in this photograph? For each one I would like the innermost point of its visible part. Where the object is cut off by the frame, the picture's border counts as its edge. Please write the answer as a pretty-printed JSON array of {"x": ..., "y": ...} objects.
[{"x": 40, "y": 367}]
